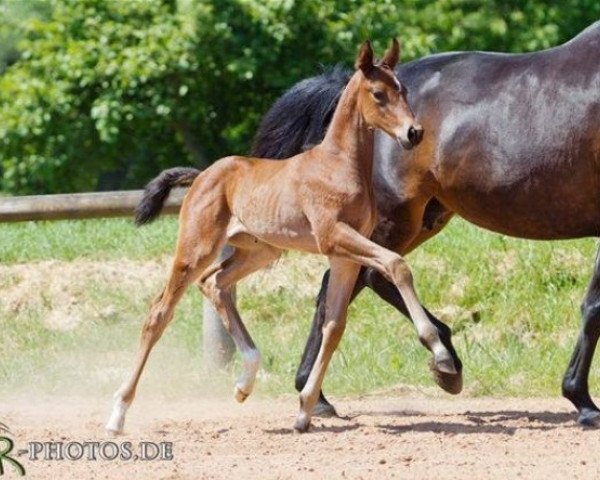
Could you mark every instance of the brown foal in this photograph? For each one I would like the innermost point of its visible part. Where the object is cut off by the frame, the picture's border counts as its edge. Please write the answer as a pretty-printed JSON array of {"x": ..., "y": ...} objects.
[{"x": 320, "y": 201}]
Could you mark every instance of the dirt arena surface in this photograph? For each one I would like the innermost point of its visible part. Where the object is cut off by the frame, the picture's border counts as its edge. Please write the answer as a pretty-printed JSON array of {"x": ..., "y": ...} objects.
[{"x": 412, "y": 436}]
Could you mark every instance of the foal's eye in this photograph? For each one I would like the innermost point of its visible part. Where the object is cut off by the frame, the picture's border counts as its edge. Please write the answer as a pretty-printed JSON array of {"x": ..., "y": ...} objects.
[{"x": 378, "y": 95}]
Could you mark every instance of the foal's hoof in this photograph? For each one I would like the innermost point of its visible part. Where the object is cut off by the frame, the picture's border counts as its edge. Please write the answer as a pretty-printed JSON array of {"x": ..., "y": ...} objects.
[
  {"x": 302, "y": 423},
  {"x": 451, "y": 383},
  {"x": 113, "y": 432},
  {"x": 114, "y": 427},
  {"x": 324, "y": 409},
  {"x": 240, "y": 395},
  {"x": 589, "y": 418},
  {"x": 444, "y": 363}
]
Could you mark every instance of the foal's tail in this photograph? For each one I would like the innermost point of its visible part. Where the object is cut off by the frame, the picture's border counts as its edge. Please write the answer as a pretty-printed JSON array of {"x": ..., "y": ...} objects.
[
  {"x": 299, "y": 119},
  {"x": 157, "y": 191}
]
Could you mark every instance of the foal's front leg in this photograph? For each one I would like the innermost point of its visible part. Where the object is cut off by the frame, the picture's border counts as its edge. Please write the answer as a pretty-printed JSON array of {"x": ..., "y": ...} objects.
[
  {"x": 345, "y": 242},
  {"x": 342, "y": 279}
]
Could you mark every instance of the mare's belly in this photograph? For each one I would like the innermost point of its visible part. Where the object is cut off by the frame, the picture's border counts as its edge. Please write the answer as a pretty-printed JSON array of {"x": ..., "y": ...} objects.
[{"x": 528, "y": 213}]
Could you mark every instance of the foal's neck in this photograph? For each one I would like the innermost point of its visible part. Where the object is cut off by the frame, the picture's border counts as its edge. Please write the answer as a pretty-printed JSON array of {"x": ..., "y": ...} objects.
[{"x": 348, "y": 135}]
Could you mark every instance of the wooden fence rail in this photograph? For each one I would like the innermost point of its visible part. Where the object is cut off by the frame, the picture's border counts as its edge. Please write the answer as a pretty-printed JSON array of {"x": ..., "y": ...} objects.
[
  {"x": 77, "y": 206},
  {"x": 218, "y": 346}
]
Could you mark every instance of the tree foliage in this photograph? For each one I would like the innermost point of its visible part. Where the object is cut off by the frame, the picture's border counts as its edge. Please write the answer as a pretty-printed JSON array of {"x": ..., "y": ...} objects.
[
  {"x": 13, "y": 15},
  {"x": 104, "y": 93}
]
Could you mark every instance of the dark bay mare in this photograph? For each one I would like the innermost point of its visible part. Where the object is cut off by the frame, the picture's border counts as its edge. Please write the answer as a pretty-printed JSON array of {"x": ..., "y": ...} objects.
[{"x": 511, "y": 144}]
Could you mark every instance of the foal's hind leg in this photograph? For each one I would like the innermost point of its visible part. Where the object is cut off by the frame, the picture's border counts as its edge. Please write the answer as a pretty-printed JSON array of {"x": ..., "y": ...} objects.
[
  {"x": 216, "y": 284},
  {"x": 198, "y": 244},
  {"x": 342, "y": 279}
]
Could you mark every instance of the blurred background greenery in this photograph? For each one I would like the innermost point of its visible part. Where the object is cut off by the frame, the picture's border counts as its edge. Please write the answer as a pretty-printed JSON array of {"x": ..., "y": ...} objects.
[{"x": 102, "y": 94}]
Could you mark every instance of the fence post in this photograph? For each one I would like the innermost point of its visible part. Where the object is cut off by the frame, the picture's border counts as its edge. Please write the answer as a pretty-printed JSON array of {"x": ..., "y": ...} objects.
[{"x": 217, "y": 344}]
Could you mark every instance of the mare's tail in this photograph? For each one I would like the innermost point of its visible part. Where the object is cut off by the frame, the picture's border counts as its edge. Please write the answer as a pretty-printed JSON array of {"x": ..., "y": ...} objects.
[
  {"x": 299, "y": 119},
  {"x": 157, "y": 191}
]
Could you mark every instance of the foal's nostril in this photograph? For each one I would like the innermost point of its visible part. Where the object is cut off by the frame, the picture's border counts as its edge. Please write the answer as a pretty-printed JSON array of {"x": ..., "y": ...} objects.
[
  {"x": 412, "y": 135},
  {"x": 415, "y": 134}
]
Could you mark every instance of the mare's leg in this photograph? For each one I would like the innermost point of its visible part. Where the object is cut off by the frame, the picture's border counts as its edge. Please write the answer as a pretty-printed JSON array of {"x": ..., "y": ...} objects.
[
  {"x": 575, "y": 382},
  {"x": 342, "y": 279},
  {"x": 343, "y": 241},
  {"x": 217, "y": 285},
  {"x": 198, "y": 244}
]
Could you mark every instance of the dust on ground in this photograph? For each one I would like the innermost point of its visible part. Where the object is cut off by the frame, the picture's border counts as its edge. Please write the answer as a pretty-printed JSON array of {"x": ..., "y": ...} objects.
[
  {"x": 61, "y": 288},
  {"x": 405, "y": 436}
]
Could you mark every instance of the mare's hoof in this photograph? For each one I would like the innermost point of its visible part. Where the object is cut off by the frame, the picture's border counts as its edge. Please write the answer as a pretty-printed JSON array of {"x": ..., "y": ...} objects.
[
  {"x": 324, "y": 409},
  {"x": 449, "y": 382},
  {"x": 240, "y": 395},
  {"x": 302, "y": 423},
  {"x": 589, "y": 418}
]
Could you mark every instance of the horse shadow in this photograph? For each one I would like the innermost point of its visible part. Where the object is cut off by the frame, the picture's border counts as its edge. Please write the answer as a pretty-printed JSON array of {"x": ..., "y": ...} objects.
[
  {"x": 317, "y": 429},
  {"x": 501, "y": 422},
  {"x": 486, "y": 422}
]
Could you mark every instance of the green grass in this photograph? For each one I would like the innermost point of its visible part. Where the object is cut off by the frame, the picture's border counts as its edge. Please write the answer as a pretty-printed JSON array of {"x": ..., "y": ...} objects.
[
  {"x": 92, "y": 239},
  {"x": 513, "y": 305}
]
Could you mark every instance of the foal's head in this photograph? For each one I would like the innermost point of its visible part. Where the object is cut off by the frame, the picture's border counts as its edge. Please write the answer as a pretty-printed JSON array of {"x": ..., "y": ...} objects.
[{"x": 382, "y": 98}]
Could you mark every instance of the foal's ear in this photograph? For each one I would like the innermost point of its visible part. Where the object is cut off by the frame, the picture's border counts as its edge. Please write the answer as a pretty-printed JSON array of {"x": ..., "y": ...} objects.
[
  {"x": 392, "y": 56},
  {"x": 364, "y": 61}
]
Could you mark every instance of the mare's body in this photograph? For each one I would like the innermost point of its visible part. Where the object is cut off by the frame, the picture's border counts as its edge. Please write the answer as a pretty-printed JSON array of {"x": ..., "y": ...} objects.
[{"x": 512, "y": 144}]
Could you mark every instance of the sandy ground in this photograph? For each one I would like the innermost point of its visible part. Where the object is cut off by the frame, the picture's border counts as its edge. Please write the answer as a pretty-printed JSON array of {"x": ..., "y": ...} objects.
[{"x": 380, "y": 437}]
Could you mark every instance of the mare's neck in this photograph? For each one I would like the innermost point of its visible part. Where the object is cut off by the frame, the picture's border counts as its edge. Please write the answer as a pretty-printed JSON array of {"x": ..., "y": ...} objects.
[{"x": 348, "y": 136}]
